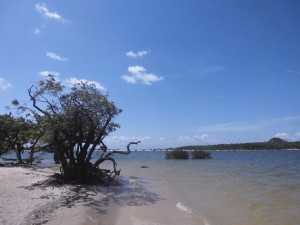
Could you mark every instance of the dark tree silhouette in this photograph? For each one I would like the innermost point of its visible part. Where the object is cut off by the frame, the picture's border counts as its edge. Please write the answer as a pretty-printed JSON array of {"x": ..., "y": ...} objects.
[{"x": 75, "y": 122}]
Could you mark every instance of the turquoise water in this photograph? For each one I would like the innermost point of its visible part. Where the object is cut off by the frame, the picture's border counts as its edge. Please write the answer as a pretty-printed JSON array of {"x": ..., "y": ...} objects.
[{"x": 232, "y": 188}]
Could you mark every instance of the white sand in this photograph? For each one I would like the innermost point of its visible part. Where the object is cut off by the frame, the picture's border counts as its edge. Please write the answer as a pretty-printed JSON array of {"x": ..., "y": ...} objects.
[
  {"x": 24, "y": 203},
  {"x": 137, "y": 202},
  {"x": 21, "y": 202}
]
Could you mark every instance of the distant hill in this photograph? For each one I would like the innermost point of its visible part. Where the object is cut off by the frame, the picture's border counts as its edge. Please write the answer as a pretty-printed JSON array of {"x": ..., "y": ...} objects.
[
  {"x": 273, "y": 144},
  {"x": 277, "y": 140}
]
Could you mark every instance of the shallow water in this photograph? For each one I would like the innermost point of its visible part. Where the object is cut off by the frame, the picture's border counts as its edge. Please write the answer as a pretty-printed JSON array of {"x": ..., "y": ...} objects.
[{"x": 233, "y": 188}]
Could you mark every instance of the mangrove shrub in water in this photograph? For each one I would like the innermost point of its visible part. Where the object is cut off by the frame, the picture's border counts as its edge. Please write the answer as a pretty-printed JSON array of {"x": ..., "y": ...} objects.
[
  {"x": 177, "y": 154},
  {"x": 198, "y": 154},
  {"x": 181, "y": 154}
]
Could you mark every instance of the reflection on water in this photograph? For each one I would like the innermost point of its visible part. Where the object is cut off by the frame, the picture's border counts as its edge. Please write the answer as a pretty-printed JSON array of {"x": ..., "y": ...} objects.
[{"x": 233, "y": 188}]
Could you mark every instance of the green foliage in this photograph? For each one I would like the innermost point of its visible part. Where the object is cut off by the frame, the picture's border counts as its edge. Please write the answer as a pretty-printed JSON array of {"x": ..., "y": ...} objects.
[
  {"x": 198, "y": 154},
  {"x": 177, "y": 154},
  {"x": 75, "y": 120},
  {"x": 16, "y": 133}
]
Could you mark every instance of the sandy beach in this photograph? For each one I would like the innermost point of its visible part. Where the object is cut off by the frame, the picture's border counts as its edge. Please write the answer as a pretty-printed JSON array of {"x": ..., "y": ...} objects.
[{"x": 27, "y": 199}]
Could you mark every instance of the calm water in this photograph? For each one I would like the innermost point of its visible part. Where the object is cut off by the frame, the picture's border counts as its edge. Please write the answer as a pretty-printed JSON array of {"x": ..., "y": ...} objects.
[{"x": 233, "y": 188}]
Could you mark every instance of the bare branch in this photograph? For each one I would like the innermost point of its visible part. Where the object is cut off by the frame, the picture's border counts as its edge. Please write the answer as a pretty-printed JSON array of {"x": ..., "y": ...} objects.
[{"x": 99, "y": 161}]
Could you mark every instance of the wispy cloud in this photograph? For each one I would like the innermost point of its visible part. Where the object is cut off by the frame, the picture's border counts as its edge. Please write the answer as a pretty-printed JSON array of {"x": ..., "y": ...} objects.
[
  {"x": 126, "y": 139},
  {"x": 73, "y": 81},
  {"x": 139, "y": 74},
  {"x": 293, "y": 71},
  {"x": 162, "y": 139},
  {"x": 38, "y": 30},
  {"x": 132, "y": 54},
  {"x": 42, "y": 8},
  {"x": 237, "y": 126},
  {"x": 243, "y": 126},
  {"x": 203, "y": 138},
  {"x": 4, "y": 84},
  {"x": 54, "y": 56},
  {"x": 285, "y": 119}
]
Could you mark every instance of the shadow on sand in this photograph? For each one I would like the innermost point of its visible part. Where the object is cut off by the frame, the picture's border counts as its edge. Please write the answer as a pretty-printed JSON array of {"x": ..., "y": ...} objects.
[{"x": 100, "y": 199}]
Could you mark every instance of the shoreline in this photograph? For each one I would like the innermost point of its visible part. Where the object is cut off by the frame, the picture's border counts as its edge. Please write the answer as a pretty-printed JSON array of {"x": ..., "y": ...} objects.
[
  {"x": 134, "y": 201},
  {"x": 30, "y": 202}
]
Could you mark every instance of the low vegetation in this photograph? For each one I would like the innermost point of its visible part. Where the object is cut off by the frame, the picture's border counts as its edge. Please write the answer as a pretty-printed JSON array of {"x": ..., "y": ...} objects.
[
  {"x": 177, "y": 154},
  {"x": 180, "y": 154},
  {"x": 201, "y": 154}
]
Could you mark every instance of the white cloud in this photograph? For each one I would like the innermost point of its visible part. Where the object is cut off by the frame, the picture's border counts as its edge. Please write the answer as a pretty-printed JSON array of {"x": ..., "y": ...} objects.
[
  {"x": 202, "y": 137},
  {"x": 139, "y": 74},
  {"x": 54, "y": 56},
  {"x": 297, "y": 136},
  {"x": 162, "y": 139},
  {"x": 42, "y": 8},
  {"x": 184, "y": 138},
  {"x": 286, "y": 136},
  {"x": 282, "y": 135},
  {"x": 46, "y": 73},
  {"x": 4, "y": 84},
  {"x": 125, "y": 139},
  {"x": 132, "y": 54},
  {"x": 73, "y": 81}
]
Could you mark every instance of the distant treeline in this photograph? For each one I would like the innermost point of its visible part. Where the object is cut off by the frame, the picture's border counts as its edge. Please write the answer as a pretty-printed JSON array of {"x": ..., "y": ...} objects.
[{"x": 245, "y": 146}]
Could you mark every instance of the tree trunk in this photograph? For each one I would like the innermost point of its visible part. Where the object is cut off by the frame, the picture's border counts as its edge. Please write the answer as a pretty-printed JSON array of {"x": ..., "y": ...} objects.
[{"x": 18, "y": 153}]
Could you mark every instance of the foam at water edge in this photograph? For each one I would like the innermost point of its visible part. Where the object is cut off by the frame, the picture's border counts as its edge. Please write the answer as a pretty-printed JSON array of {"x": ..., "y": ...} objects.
[
  {"x": 189, "y": 211},
  {"x": 183, "y": 208}
]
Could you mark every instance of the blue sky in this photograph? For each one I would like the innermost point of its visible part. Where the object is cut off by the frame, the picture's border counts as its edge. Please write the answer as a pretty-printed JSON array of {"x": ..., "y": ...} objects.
[{"x": 184, "y": 72}]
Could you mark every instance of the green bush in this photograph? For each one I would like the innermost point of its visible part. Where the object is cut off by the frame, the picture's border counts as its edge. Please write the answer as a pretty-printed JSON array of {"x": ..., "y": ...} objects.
[
  {"x": 198, "y": 154},
  {"x": 177, "y": 154}
]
